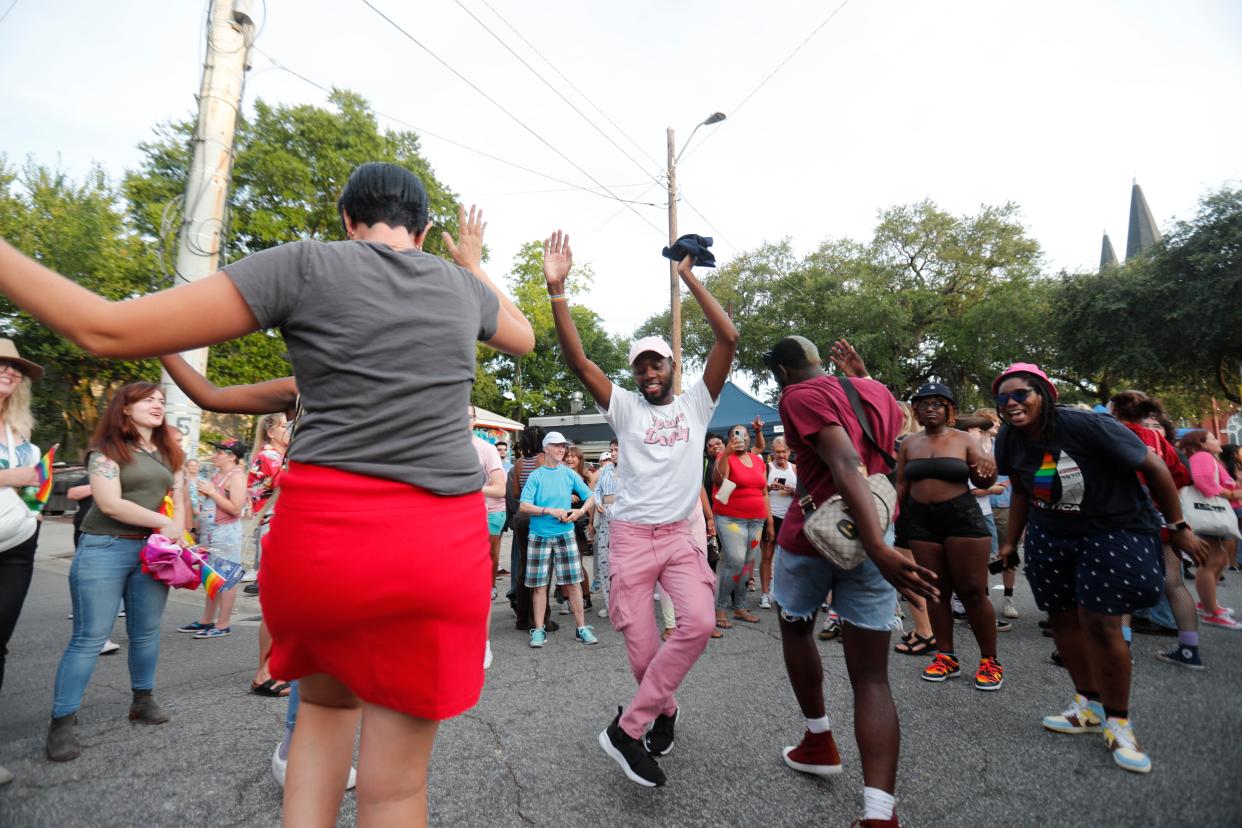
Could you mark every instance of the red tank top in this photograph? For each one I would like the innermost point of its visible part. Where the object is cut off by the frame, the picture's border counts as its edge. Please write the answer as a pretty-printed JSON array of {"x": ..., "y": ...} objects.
[{"x": 747, "y": 500}]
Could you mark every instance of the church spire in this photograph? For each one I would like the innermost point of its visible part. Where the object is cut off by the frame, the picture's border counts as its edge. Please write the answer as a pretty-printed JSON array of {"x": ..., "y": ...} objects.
[
  {"x": 1108, "y": 256},
  {"x": 1143, "y": 231}
]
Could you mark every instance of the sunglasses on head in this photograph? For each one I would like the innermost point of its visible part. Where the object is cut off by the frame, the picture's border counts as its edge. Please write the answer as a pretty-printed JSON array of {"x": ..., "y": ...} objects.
[{"x": 1020, "y": 395}]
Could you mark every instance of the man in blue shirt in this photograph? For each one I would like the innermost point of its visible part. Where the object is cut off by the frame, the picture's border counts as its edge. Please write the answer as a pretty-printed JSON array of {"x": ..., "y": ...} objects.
[{"x": 546, "y": 498}]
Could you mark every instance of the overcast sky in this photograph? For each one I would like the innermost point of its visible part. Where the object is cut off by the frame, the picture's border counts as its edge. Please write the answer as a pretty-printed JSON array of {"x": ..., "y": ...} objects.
[{"x": 1053, "y": 105}]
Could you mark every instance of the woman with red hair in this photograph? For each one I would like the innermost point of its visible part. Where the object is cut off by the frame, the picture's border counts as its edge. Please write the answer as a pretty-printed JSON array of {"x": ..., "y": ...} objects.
[{"x": 135, "y": 460}]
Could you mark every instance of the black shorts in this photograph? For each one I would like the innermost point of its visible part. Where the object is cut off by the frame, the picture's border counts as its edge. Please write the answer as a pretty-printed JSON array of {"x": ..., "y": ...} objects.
[{"x": 960, "y": 517}]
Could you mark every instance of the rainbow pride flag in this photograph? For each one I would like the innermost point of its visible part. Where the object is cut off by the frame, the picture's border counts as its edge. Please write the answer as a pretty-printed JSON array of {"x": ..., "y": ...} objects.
[
  {"x": 45, "y": 478},
  {"x": 167, "y": 509},
  {"x": 224, "y": 574}
]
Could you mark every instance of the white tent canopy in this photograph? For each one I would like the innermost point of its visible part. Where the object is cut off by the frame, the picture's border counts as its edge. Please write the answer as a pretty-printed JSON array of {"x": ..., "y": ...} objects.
[{"x": 490, "y": 419}]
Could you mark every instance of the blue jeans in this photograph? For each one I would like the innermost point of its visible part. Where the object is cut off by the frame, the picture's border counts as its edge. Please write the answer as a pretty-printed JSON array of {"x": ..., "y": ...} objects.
[
  {"x": 291, "y": 712},
  {"x": 1160, "y": 614},
  {"x": 737, "y": 537},
  {"x": 105, "y": 571}
]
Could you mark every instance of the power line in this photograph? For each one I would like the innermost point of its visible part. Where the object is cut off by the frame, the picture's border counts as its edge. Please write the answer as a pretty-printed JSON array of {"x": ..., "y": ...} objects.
[
  {"x": 558, "y": 92},
  {"x": 424, "y": 132},
  {"x": 715, "y": 231},
  {"x": 514, "y": 117},
  {"x": 771, "y": 74},
  {"x": 6, "y": 11},
  {"x": 587, "y": 98}
]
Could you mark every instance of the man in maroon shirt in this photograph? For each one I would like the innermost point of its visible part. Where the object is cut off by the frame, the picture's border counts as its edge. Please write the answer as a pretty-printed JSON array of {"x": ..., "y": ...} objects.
[{"x": 830, "y": 446}]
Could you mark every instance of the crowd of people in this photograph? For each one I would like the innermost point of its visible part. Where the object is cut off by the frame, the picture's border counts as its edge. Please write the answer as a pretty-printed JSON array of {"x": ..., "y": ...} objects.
[{"x": 684, "y": 528}]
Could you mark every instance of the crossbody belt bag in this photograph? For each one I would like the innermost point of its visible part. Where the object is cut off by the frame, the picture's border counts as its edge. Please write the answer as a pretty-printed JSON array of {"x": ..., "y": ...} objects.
[{"x": 829, "y": 526}]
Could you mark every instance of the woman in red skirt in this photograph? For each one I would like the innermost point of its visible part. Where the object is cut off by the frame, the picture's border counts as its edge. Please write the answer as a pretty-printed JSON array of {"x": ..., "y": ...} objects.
[{"x": 382, "y": 339}]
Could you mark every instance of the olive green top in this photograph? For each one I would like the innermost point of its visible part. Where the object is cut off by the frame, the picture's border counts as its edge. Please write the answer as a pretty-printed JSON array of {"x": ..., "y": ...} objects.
[{"x": 145, "y": 480}]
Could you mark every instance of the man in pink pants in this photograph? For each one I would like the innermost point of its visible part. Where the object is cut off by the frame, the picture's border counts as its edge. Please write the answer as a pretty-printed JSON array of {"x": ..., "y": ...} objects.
[{"x": 658, "y": 490}]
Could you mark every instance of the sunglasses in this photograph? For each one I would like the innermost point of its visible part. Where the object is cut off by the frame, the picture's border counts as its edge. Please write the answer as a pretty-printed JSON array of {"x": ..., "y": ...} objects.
[
  {"x": 1019, "y": 396},
  {"x": 930, "y": 402}
]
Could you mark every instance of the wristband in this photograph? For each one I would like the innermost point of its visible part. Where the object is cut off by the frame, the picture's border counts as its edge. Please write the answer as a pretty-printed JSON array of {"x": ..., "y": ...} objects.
[
  {"x": 1179, "y": 525},
  {"x": 560, "y": 297}
]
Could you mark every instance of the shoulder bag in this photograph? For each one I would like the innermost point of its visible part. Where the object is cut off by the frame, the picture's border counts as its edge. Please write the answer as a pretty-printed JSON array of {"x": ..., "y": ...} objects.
[
  {"x": 17, "y": 522},
  {"x": 829, "y": 526},
  {"x": 1211, "y": 517}
]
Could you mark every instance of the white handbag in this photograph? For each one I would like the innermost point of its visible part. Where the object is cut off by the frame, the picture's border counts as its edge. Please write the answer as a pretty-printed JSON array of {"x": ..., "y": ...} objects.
[
  {"x": 17, "y": 522},
  {"x": 1211, "y": 517}
]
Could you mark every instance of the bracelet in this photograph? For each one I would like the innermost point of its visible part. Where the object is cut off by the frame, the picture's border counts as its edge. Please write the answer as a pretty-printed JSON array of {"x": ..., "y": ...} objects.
[{"x": 560, "y": 297}]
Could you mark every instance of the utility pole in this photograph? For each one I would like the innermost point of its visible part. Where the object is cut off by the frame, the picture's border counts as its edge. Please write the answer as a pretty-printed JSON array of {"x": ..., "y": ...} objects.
[
  {"x": 674, "y": 280},
  {"x": 229, "y": 35}
]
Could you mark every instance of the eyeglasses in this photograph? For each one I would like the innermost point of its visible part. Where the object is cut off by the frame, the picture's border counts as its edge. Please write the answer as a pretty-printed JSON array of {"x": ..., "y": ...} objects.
[
  {"x": 1019, "y": 396},
  {"x": 930, "y": 402},
  {"x": 11, "y": 367}
]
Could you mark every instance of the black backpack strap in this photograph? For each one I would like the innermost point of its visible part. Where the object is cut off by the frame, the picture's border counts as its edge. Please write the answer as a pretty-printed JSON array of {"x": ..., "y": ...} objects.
[{"x": 865, "y": 421}]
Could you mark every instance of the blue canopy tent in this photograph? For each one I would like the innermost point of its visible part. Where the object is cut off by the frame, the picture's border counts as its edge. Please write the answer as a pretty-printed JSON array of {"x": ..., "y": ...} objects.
[{"x": 739, "y": 407}]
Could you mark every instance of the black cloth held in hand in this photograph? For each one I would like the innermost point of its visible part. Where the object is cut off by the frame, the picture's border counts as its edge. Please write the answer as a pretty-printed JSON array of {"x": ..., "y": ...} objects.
[{"x": 692, "y": 245}]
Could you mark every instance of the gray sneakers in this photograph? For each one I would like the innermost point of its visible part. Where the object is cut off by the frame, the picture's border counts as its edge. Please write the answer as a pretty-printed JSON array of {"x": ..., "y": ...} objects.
[{"x": 62, "y": 739}]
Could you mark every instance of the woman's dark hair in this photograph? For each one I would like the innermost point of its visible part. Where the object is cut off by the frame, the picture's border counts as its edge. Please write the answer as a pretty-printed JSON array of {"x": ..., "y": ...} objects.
[
  {"x": 1229, "y": 456},
  {"x": 1193, "y": 442},
  {"x": 115, "y": 432},
  {"x": 384, "y": 193},
  {"x": 531, "y": 441},
  {"x": 1048, "y": 405},
  {"x": 1134, "y": 406}
]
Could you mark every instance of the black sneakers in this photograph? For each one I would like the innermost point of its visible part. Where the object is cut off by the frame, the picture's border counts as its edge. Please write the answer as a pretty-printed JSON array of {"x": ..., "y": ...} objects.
[
  {"x": 659, "y": 740},
  {"x": 631, "y": 755}
]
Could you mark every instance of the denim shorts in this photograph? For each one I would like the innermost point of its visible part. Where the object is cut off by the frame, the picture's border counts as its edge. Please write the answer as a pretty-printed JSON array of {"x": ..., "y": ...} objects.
[
  {"x": 495, "y": 523},
  {"x": 860, "y": 595},
  {"x": 224, "y": 540}
]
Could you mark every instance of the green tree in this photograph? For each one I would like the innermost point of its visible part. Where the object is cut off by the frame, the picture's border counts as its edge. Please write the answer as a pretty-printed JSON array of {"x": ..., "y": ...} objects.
[
  {"x": 79, "y": 230},
  {"x": 931, "y": 295},
  {"x": 540, "y": 382}
]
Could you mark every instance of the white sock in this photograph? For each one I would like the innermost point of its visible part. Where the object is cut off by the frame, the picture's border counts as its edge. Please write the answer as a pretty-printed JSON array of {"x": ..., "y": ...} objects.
[
  {"x": 820, "y": 725},
  {"x": 877, "y": 804}
]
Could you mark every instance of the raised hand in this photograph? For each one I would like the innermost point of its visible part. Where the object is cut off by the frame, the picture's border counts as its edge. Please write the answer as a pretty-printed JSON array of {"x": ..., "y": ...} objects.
[
  {"x": 847, "y": 359},
  {"x": 686, "y": 266},
  {"x": 757, "y": 423},
  {"x": 467, "y": 251},
  {"x": 558, "y": 258}
]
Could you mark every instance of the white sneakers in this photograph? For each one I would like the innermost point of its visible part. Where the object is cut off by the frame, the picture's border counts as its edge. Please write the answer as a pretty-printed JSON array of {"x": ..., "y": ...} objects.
[
  {"x": 280, "y": 766},
  {"x": 487, "y": 655}
]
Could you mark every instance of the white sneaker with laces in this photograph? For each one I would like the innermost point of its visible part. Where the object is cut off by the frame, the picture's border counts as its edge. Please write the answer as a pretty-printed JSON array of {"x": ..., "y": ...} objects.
[
  {"x": 487, "y": 655},
  {"x": 603, "y": 613},
  {"x": 564, "y": 610},
  {"x": 1010, "y": 610},
  {"x": 109, "y": 647},
  {"x": 765, "y": 601},
  {"x": 281, "y": 766}
]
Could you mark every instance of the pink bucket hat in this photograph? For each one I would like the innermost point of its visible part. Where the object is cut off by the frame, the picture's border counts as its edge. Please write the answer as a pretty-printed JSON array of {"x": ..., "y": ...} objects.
[{"x": 1025, "y": 368}]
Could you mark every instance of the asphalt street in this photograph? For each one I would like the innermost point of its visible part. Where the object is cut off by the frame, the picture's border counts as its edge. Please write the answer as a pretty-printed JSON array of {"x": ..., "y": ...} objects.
[{"x": 527, "y": 754}]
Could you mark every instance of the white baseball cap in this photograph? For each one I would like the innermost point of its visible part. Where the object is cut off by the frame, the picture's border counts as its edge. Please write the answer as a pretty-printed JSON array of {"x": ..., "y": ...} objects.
[
  {"x": 650, "y": 343},
  {"x": 554, "y": 437},
  {"x": 605, "y": 456}
]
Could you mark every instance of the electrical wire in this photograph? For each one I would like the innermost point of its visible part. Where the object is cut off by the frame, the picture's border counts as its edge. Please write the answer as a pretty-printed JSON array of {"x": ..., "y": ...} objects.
[
  {"x": 771, "y": 74},
  {"x": 9, "y": 9},
  {"x": 514, "y": 117},
  {"x": 564, "y": 77},
  {"x": 558, "y": 92},
  {"x": 427, "y": 133}
]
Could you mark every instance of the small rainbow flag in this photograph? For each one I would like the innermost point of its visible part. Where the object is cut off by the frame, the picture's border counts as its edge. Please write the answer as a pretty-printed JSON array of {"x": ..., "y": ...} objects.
[
  {"x": 45, "y": 477},
  {"x": 224, "y": 575}
]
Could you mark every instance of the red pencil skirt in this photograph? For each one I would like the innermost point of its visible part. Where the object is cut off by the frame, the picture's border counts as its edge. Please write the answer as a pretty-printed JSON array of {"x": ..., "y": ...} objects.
[{"x": 381, "y": 585}]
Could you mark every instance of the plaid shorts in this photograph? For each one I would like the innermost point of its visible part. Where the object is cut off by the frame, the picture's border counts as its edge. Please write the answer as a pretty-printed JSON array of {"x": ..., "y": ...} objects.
[{"x": 542, "y": 552}]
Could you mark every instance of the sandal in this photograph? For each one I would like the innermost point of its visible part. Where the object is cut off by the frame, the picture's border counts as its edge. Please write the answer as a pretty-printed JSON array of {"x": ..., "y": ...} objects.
[
  {"x": 916, "y": 645},
  {"x": 717, "y": 634},
  {"x": 746, "y": 615},
  {"x": 723, "y": 623},
  {"x": 272, "y": 688}
]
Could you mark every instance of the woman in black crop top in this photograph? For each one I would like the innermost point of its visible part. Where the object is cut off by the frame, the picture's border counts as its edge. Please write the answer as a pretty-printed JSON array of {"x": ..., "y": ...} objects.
[{"x": 941, "y": 521}]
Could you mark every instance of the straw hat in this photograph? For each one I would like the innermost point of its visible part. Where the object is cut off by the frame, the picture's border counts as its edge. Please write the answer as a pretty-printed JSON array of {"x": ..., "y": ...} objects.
[{"x": 8, "y": 351}]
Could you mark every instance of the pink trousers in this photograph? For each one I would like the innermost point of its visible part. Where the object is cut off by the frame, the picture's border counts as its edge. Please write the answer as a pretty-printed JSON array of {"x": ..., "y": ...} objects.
[{"x": 641, "y": 555}]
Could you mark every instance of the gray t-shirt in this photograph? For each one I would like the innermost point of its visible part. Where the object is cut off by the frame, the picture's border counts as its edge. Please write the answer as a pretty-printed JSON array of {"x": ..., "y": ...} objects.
[{"x": 383, "y": 350}]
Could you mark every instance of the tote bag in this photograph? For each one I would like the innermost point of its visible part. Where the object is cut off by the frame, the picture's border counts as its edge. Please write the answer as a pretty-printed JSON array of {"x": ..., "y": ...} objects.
[{"x": 17, "y": 522}]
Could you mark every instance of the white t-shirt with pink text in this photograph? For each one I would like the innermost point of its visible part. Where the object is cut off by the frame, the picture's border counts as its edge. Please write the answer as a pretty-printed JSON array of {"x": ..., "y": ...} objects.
[{"x": 660, "y": 474}]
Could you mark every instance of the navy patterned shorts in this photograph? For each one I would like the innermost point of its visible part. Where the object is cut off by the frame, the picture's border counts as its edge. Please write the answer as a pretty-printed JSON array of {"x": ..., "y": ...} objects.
[{"x": 1111, "y": 573}]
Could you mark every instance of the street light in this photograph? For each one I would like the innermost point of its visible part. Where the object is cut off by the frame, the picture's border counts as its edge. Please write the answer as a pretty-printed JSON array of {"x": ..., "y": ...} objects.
[{"x": 674, "y": 282}]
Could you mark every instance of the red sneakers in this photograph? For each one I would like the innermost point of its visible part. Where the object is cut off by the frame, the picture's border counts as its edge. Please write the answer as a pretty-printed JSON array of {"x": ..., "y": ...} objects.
[
  {"x": 891, "y": 822},
  {"x": 816, "y": 754}
]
